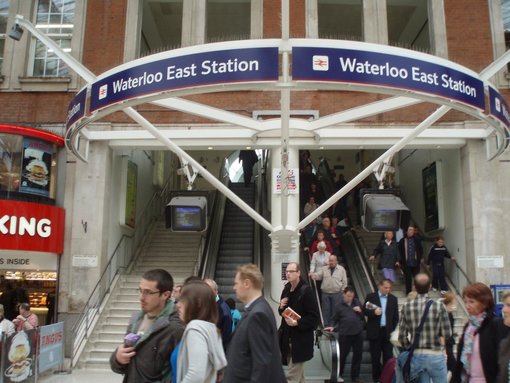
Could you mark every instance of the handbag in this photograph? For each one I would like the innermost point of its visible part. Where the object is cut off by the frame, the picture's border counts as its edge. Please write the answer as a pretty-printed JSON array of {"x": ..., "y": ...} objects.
[{"x": 406, "y": 369}]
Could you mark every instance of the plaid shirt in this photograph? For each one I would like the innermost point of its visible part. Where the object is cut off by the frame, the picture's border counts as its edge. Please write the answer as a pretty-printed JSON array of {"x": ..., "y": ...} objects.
[{"x": 436, "y": 324}]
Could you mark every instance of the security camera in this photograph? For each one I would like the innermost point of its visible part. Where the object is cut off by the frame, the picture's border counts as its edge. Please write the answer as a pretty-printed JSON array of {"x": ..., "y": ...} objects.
[{"x": 16, "y": 32}]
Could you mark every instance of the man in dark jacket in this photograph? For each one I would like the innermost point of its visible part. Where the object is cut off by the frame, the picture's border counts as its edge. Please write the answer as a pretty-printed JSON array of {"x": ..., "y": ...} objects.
[
  {"x": 152, "y": 333},
  {"x": 224, "y": 323},
  {"x": 411, "y": 256},
  {"x": 297, "y": 332},
  {"x": 381, "y": 310},
  {"x": 348, "y": 323},
  {"x": 254, "y": 354}
]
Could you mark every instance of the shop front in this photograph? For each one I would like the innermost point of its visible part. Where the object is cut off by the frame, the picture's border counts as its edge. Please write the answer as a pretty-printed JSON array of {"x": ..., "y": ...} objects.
[{"x": 31, "y": 226}]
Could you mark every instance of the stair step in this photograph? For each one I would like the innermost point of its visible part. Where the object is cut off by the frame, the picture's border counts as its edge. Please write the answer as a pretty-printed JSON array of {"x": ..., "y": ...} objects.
[{"x": 175, "y": 252}]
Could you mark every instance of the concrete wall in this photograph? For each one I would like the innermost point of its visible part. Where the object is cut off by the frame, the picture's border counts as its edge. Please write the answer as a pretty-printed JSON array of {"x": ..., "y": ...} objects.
[
  {"x": 486, "y": 185},
  {"x": 409, "y": 178}
]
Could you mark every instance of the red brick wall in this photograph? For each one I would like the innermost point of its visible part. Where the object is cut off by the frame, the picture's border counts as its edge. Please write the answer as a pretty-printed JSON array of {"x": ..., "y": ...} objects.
[
  {"x": 468, "y": 33},
  {"x": 105, "y": 27},
  {"x": 469, "y": 43}
]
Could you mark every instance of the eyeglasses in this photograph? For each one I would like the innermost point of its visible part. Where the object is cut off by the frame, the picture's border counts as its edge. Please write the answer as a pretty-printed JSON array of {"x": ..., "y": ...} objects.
[
  {"x": 291, "y": 271},
  {"x": 146, "y": 293}
]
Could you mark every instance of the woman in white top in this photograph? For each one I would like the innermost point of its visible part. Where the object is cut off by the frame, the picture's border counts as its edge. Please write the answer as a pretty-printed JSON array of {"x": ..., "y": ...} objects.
[{"x": 201, "y": 353}]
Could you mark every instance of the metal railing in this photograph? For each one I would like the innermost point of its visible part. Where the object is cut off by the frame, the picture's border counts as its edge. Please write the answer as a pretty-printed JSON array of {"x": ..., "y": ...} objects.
[
  {"x": 326, "y": 341},
  {"x": 122, "y": 258}
]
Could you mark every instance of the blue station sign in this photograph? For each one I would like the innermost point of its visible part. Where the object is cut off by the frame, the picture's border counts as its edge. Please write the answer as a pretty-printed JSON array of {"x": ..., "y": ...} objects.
[
  {"x": 76, "y": 108},
  {"x": 186, "y": 71},
  {"x": 366, "y": 67}
]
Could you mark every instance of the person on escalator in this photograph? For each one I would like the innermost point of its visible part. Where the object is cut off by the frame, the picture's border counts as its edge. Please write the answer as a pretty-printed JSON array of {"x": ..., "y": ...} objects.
[
  {"x": 248, "y": 159},
  {"x": 320, "y": 237},
  {"x": 224, "y": 323},
  {"x": 348, "y": 323}
]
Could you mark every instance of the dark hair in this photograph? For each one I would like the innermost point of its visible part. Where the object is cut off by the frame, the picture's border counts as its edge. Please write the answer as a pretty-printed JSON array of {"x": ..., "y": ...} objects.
[
  {"x": 230, "y": 303},
  {"x": 25, "y": 306},
  {"x": 199, "y": 302},
  {"x": 384, "y": 280},
  {"x": 349, "y": 289},
  {"x": 480, "y": 293},
  {"x": 163, "y": 279},
  {"x": 439, "y": 238},
  {"x": 192, "y": 278}
]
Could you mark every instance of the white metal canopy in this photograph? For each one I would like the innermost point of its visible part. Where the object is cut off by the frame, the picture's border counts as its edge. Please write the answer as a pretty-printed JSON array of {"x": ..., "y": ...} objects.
[{"x": 399, "y": 75}]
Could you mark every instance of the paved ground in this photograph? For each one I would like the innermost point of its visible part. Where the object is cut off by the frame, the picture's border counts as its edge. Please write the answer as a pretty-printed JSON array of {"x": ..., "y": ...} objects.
[{"x": 81, "y": 376}]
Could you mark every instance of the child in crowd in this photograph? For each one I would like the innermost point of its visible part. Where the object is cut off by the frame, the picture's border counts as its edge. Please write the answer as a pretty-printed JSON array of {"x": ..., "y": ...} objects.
[
  {"x": 437, "y": 254},
  {"x": 234, "y": 312}
]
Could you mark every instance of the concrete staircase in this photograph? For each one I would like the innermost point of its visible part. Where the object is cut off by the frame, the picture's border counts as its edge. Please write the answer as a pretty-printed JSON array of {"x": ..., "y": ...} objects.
[{"x": 175, "y": 252}]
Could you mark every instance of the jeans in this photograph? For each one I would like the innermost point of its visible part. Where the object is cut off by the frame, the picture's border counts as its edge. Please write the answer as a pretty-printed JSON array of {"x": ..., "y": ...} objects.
[
  {"x": 329, "y": 302},
  {"x": 429, "y": 368}
]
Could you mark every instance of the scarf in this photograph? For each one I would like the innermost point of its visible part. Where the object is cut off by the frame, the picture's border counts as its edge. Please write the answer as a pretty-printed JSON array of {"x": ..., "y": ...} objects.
[{"x": 474, "y": 323}]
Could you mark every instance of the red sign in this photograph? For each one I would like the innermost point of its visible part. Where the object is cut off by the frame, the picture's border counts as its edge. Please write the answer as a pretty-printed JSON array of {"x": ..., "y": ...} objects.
[{"x": 31, "y": 226}]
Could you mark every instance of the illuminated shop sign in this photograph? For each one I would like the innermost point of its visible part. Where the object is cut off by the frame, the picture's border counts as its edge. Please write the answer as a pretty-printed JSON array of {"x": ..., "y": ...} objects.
[
  {"x": 36, "y": 167},
  {"x": 387, "y": 70},
  {"x": 31, "y": 227},
  {"x": 193, "y": 70}
]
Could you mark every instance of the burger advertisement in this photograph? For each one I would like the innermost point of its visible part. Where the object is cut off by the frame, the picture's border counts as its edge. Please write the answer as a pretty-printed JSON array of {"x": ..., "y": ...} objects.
[
  {"x": 19, "y": 360},
  {"x": 36, "y": 167}
]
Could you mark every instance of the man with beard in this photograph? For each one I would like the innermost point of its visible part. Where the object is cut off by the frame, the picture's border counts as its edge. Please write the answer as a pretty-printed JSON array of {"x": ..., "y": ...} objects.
[{"x": 152, "y": 333}]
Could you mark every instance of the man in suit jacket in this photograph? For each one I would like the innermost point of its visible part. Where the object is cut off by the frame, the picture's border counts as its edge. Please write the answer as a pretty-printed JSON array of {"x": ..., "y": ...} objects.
[
  {"x": 411, "y": 256},
  {"x": 381, "y": 310},
  {"x": 253, "y": 354}
]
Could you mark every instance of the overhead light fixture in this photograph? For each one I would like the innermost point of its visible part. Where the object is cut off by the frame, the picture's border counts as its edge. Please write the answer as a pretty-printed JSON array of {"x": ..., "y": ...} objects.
[
  {"x": 210, "y": 148},
  {"x": 16, "y": 32}
]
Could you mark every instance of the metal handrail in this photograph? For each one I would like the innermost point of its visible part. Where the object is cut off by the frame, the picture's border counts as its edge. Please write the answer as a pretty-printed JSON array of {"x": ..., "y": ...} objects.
[
  {"x": 89, "y": 315},
  {"x": 331, "y": 354}
]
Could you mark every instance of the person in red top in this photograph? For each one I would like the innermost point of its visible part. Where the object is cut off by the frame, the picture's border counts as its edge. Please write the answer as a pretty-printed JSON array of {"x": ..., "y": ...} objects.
[
  {"x": 26, "y": 320},
  {"x": 320, "y": 237}
]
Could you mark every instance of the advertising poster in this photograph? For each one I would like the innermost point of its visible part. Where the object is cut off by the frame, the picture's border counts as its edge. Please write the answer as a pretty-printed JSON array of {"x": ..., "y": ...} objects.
[
  {"x": 51, "y": 346},
  {"x": 19, "y": 357},
  {"x": 132, "y": 177},
  {"x": 291, "y": 186},
  {"x": 36, "y": 167}
]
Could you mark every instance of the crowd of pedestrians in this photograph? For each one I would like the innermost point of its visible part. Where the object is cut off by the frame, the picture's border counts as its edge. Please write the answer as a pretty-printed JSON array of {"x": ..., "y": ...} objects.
[{"x": 178, "y": 335}]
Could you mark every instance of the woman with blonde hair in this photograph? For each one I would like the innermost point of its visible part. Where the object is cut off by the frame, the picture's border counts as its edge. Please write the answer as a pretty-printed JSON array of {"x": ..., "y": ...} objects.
[{"x": 201, "y": 354}]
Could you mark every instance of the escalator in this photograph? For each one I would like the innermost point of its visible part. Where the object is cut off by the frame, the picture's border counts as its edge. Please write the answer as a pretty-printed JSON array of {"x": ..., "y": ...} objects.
[{"x": 237, "y": 245}]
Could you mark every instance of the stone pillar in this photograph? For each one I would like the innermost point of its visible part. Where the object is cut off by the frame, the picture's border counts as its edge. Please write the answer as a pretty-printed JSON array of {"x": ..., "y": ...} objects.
[
  {"x": 485, "y": 185},
  {"x": 292, "y": 215}
]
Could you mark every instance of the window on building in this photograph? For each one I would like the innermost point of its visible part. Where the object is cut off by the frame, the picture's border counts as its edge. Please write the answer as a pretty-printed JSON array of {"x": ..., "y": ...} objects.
[
  {"x": 505, "y": 13},
  {"x": 4, "y": 12},
  {"x": 228, "y": 20},
  {"x": 55, "y": 18},
  {"x": 408, "y": 24},
  {"x": 340, "y": 19},
  {"x": 161, "y": 26}
]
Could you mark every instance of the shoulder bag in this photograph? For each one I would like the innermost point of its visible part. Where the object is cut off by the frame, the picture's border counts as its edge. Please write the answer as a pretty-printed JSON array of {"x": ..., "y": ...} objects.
[{"x": 406, "y": 368}]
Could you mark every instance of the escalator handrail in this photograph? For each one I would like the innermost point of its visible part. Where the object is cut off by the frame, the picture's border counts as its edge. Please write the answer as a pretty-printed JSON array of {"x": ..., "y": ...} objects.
[
  {"x": 363, "y": 259},
  {"x": 333, "y": 341},
  {"x": 208, "y": 264}
]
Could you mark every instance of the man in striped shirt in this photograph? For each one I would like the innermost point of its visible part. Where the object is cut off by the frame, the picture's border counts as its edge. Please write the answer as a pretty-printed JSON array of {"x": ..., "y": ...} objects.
[{"x": 429, "y": 358}]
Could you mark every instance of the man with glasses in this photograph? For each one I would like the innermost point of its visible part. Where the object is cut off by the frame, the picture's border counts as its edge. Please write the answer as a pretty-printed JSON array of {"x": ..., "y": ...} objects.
[
  {"x": 297, "y": 331},
  {"x": 152, "y": 333}
]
